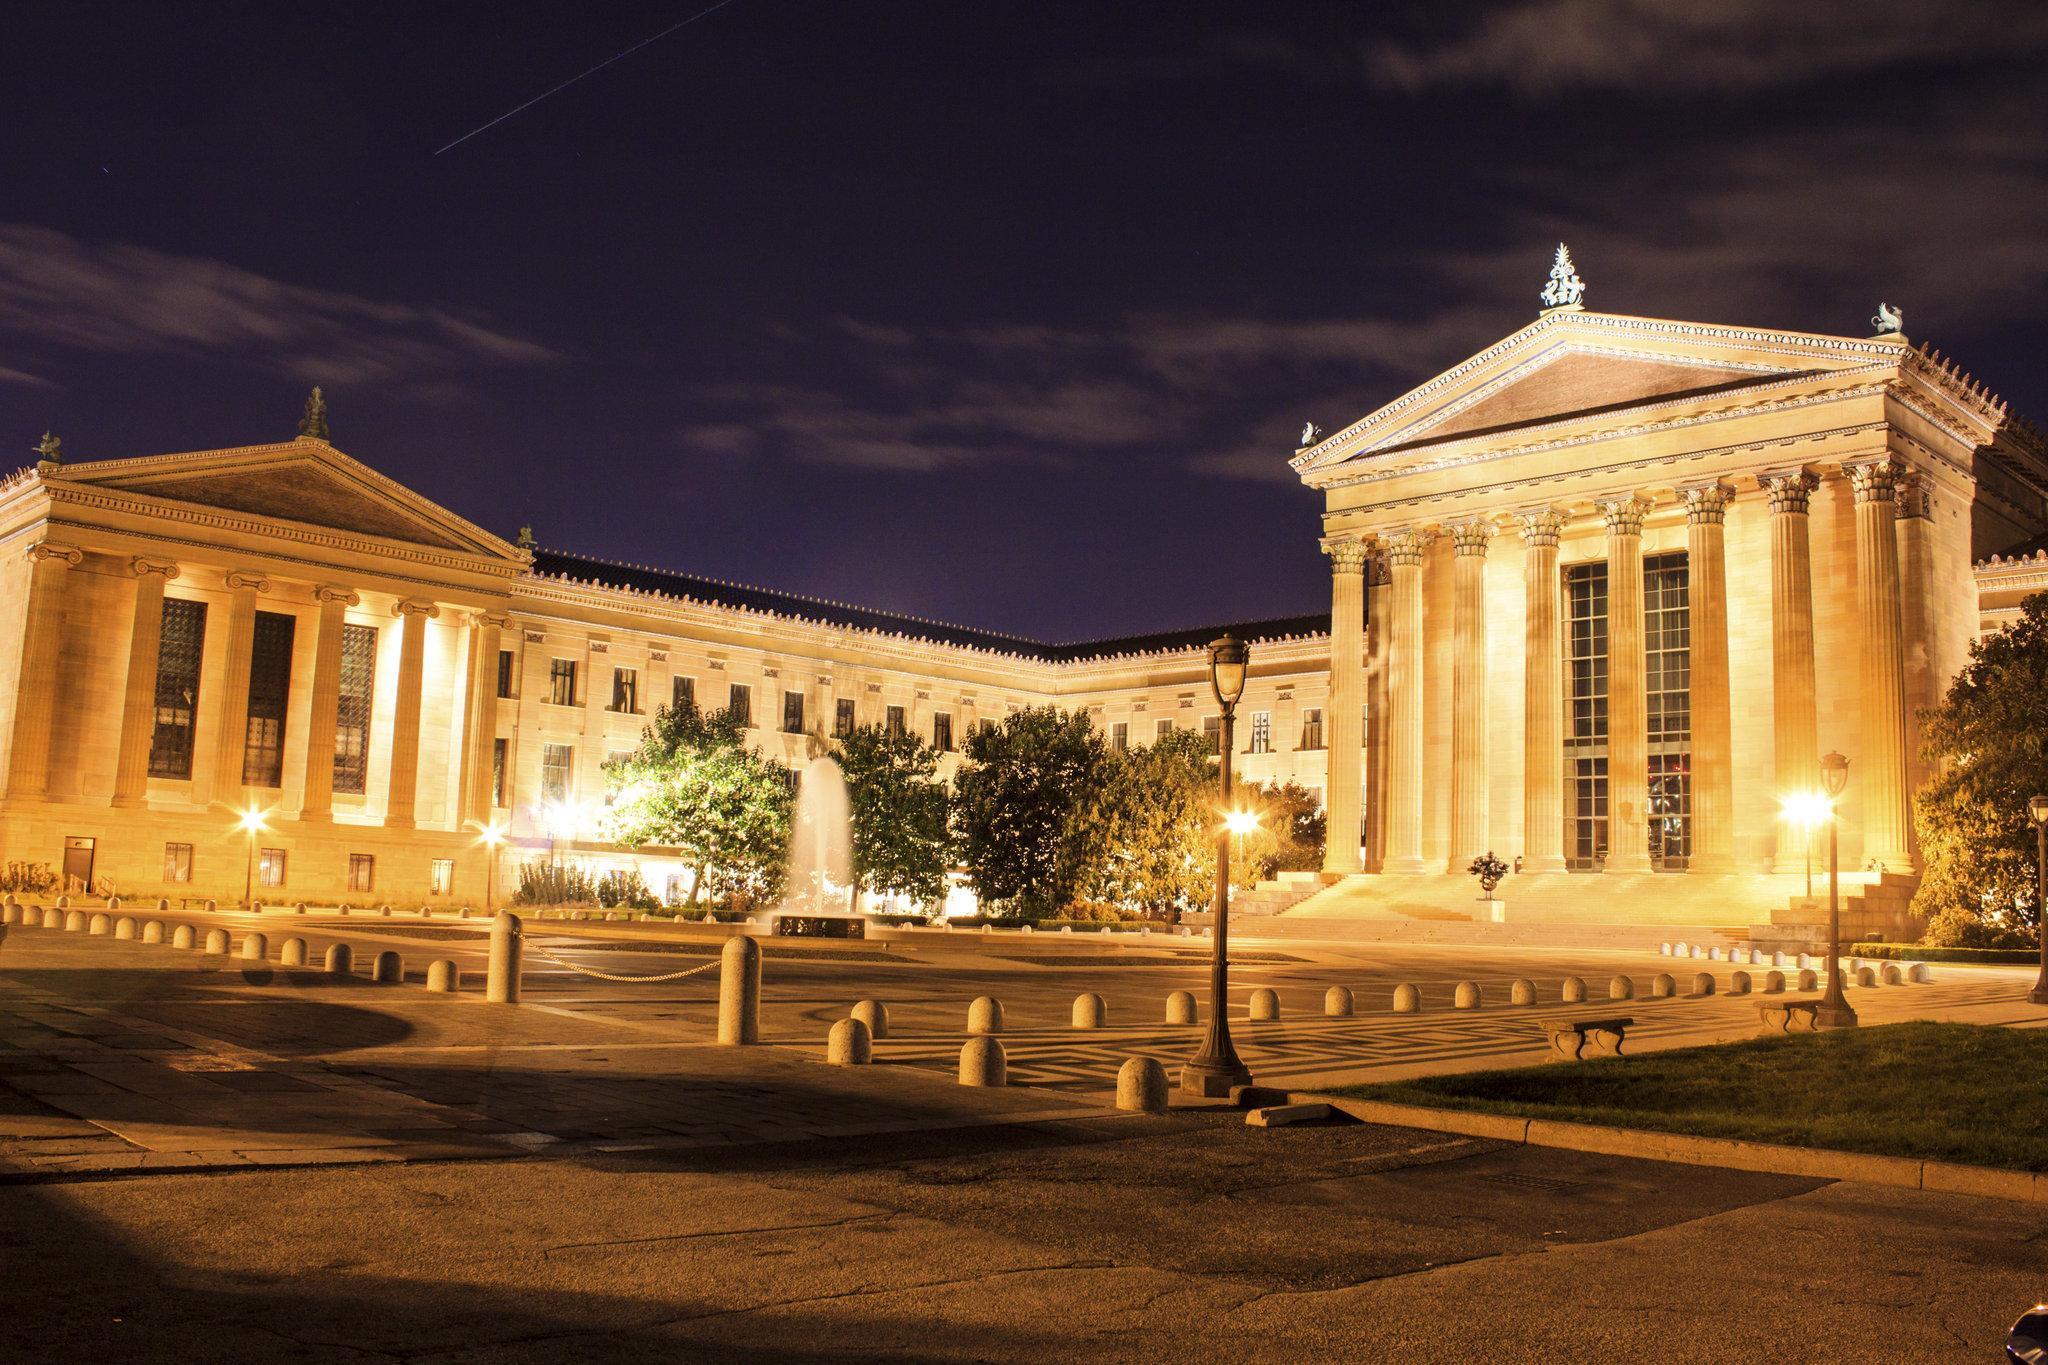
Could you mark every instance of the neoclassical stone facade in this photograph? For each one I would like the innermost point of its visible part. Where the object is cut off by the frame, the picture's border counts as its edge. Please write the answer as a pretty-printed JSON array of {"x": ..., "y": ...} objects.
[
  {"x": 280, "y": 628},
  {"x": 1629, "y": 579},
  {"x": 1599, "y": 596}
]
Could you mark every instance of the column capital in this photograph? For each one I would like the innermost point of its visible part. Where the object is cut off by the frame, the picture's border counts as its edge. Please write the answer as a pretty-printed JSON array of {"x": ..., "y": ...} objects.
[
  {"x": 1405, "y": 546},
  {"x": 1789, "y": 490},
  {"x": 1624, "y": 515},
  {"x": 238, "y": 579},
  {"x": 69, "y": 555},
  {"x": 328, "y": 593},
  {"x": 142, "y": 567},
  {"x": 1541, "y": 525},
  {"x": 1916, "y": 496},
  {"x": 1468, "y": 538},
  {"x": 414, "y": 607},
  {"x": 1347, "y": 553},
  {"x": 495, "y": 620},
  {"x": 1875, "y": 480},
  {"x": 1707, "y": 503}
]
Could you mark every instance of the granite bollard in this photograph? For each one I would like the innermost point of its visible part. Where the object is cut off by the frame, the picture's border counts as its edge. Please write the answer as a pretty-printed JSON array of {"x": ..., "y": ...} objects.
[
  {"x": 443, "y": 976},
  {"x": 1089, "y": 1011},
  {"x": 1522, "y": 992},
  {"x": 183, "y": 936},
  {"x": 1265, "y": 1004},
  {"x": 875, "y": 1015},
  {"x": 739, "y": 992},
  {"x": 1739, "y": 984},
  {"x": 1574, "y": 991},
  {"x": 1467, "y": 996},
  {"x": 339, "y": 960},
  {"x": 985, "y": 1015},
  {"x": 1141, "y": 1086},
  {"x": 1621, "y": 988},
  {"x": 982, "y": 1062},
  {"x": 1407, "y": 999},
  {"x": 217, "y": 942},
  {"x": 126, "y": 927},
  {"x": 387, "y": 966},
  {"x": 1702, "y": 983},
  {"x": 255, "y": 947},
  {"x": 1809, "y": 979},
  {"x": 1662, "y": 986},
  {"x": 1774, "y": 983},
  {"x": 292, "y": 953},
  {"x": 100, "y": 925},
  {"x": 848, "y": 1043},
  {"x": 1180, "y": 1007},
  {"x": 507, "y": 960},
  {"x": 1337, "y": 1002},
  {"x": 153, "y": 931}
]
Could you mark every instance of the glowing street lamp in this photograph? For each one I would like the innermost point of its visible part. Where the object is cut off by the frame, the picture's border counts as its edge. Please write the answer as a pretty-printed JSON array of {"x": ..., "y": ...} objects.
[
  {"x": 492, "y": 835},
  {"x": 1808, "y": 811},
  {"x": 251, "y": 821},
  {"x": 1834, "y": 1011},
  {"x": 2037, "y": 811},
  {"x": 1217, "y": 1067}
]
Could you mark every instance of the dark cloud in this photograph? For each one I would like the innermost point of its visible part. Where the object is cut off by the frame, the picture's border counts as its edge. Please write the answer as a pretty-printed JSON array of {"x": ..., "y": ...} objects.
[{"x": 111, "y": 298}]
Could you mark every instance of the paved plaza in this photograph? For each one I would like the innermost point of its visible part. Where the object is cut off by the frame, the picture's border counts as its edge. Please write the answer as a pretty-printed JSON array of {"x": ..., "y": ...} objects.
[{"x": 213, "y": 1158}]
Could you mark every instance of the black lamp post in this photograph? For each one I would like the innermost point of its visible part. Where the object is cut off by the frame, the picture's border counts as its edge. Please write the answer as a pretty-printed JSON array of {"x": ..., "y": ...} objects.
[
  {"x": 1217, "y": 1067},
  {"x": 1834, "y": 1011},
  {"x": 2037, "y": 811}
]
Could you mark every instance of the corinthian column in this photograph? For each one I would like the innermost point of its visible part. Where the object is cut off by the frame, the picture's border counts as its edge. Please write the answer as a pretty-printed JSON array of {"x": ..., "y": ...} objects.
[
  {"x": 1404, "y": 703},
  {"x": 1542, "y": 696},
  {"x": 1713, "y": 761},
  {"x": 138, "y": 696},
  {"x": 317, "y": 804},
  {"x": 1468, "y": 691},
  {"x": 35, "y": 698},
  {"x": 482, "y": 723},
  {"x": 1628, "y": 721},
  {"x": 1379, "y": 591},
  {"x": 1917, "y": 618},
  {"x": 1795, "y": 747},
  {"x": 233, "y": 707},
  {"x": 1347, "y": 702},
  {"x": 402, "y": 799},
  {"x": 1881, "y": 774}
]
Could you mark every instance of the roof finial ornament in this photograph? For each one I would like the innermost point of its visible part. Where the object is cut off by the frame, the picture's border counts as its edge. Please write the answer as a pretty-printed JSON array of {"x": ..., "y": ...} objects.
[
  {"x": 49, "y": 450},
  {"x": 1566, "y": 289},
  {"x": 1310, "y": 434},
  {"x": 1890, "y": 321},
  {"x": 314, "y": 423},
  {"x": 525, "y": 541}
]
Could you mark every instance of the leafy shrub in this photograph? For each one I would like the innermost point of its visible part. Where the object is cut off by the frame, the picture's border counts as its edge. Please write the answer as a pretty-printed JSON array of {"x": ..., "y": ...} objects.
[
  {"x": 625, "y": 891},
  {"x": 554, "y": 884},
  {"x": 1916, "y": 952},
  {"x": 35, "y": 878}
]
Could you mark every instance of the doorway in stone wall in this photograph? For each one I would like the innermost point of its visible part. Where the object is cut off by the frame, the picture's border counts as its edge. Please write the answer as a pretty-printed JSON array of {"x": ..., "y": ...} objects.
[{"x": 78, "y": 853}]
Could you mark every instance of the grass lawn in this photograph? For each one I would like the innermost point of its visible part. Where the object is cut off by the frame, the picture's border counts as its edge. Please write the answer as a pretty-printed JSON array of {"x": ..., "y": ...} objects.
[{"x": 1942, "y": 1092}]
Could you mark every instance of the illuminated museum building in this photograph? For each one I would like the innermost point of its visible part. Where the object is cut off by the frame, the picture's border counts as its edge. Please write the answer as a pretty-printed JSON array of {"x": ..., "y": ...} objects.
[{"x": 1627, "y": 580}]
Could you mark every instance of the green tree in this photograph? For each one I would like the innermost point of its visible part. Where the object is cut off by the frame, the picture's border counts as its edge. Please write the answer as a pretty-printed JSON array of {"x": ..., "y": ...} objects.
[
  {"x": 1018, "y": 809},
  {"x": 1291, "y": 831},
  {"x": 1151, "y": 826},
  {"x": 1987, "y": 740},
  {"x": 901, "y": 843},
  {"x": 695, "y": 787}
]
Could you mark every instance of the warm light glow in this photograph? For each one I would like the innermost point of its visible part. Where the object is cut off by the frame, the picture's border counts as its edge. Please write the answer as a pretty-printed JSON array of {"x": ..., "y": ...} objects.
[
  {"x": 493, "y": 834},
  {"x": 251, "y": 819},
  {"x": 1807, "y": 810},
  {"x": 2037, "y": 810},
  {"x": 1241, "y": 821},
  {"x": 1227, "y": 660},
  {"x": 563, "y": 819}
]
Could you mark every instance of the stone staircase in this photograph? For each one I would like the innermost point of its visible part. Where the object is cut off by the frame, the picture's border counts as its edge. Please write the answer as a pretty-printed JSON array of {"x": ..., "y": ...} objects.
[
  {"x": 1643, "y": 938},
  {"x": 1881, "y": 911},
  {"x": 1276, "y": 896}
]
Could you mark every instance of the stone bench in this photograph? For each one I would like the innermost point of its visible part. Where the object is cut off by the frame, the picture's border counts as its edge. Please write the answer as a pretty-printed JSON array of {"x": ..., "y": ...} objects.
[
  {"x": 1789, "y": 1016},
  {"x": 1568, "y": 1037}
]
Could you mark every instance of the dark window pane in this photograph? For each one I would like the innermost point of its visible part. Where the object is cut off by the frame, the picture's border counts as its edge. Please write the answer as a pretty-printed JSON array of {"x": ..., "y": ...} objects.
[
  {"x": 177, "y": 688},
  {"x": 352, "y": 709},
  {"x": 270, "y": 686}
]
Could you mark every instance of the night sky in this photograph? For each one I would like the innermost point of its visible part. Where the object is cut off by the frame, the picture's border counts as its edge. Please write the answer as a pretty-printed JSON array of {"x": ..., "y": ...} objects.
[{"x": 1003, "y": 314}]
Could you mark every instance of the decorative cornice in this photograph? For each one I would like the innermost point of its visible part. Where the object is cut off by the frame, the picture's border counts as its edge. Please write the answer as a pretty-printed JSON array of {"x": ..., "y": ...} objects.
[
  {"x": 1794, "y": 345},
  {"x": 162, "y": 509},
  {"x": 1489, "y": 453}
]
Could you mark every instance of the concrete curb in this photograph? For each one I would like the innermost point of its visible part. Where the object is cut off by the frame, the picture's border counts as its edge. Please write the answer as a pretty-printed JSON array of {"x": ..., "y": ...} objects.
[{"x": 1734, "y": 1153}]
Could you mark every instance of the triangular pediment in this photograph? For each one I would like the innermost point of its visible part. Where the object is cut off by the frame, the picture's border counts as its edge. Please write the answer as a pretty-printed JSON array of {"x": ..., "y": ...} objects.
[
  {"x": 307, "y": 482},
  {"x": 1571, "y": 367}
]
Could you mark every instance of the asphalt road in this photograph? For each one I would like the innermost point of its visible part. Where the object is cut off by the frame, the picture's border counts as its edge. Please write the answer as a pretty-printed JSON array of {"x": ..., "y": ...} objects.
[{"x": 1187, "y": 1236}]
